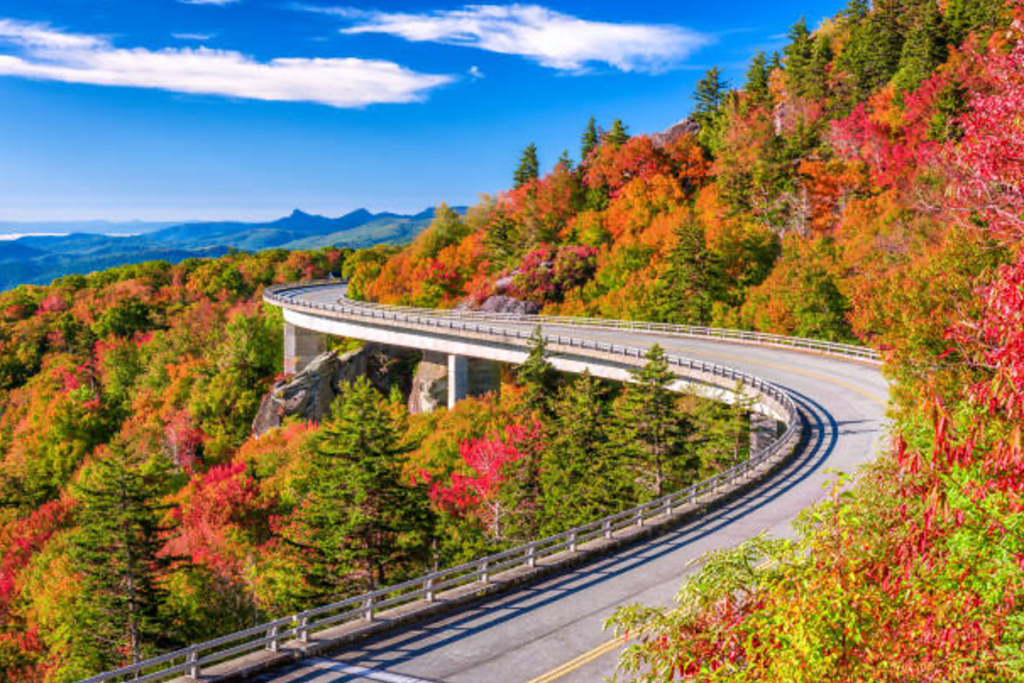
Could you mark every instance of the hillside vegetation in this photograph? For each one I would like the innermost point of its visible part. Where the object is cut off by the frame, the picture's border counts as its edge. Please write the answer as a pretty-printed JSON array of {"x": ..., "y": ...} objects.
[{"x": 867, "y": 184}]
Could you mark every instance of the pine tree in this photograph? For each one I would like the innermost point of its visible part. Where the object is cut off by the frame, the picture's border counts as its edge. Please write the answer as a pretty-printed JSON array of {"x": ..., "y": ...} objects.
[
  {"x": 649, "y": 430},
  {"x": 582, "y": 477},
  {"x": 855, "y": 10},
  {"x": 618, "y": 135},
  {"x": 359, "y": 524},
  {"x": 966, "y": 16},
  {"x": 690, "y": 283},
  {"x": 721, "y": 433},
  {"x": 872, "y": 53},
  {"x": 529, "y": 168},
  {"x": 588, "y": 140},
  {"x": 537, "y": 374},
  {"x": 799, "y": 53},
  {"x": 709, "y": 96},
  {"x": 924, "y": 49},
  {"x": 756, "y": 86},
  {"x": 816, "y": 85},
  {"x": 564, "y": 161},
  {"x": 117, "y": 552}
]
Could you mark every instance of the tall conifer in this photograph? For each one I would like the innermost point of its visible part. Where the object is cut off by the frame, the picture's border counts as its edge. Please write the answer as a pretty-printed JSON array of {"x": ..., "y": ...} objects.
[
  {"x": 582, "y": 477},
  {"x": 649, "y": 429},
  {"x": 116, "y": 550},
  {"x": 588, "y": 140},
  {"x": 529, "y": 167},
  {"x": 359, "y": 524}
]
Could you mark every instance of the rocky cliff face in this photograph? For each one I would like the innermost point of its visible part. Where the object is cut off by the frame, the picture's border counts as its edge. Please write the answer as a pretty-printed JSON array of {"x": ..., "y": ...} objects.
[
  {"x": 429, "y": 389},
  {"x": 685, "y": 127},
  {"x": 308, "y": 394}
]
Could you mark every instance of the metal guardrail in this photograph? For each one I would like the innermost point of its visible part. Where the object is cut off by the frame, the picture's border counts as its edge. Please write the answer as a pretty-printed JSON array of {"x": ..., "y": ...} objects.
[
  {"x": 837, "y": 349},
  {"x": 270, "y": 636}
]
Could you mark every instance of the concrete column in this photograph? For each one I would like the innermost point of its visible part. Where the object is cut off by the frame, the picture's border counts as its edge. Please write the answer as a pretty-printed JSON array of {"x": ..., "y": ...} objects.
[
  {"x": 763, "y": 431},
  {"x": 300, "y": 347},
  {"x": 458, "y": 379}
]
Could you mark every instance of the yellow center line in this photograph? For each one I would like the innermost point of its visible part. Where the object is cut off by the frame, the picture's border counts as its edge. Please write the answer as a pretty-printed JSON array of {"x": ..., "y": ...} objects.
[{"x": 584, "y": 658}]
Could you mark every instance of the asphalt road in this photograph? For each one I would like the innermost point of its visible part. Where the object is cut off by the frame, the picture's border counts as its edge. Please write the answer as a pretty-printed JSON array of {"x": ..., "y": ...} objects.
[{"x": 552, "y": 631}]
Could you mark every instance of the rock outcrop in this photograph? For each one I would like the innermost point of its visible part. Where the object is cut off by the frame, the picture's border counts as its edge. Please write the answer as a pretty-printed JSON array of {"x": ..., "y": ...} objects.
[
  {"x": 499, "y": 303},
  {"x": 685, "y": 127},
  {"x": 429, "y": 389},
  {"x": 308, "y": 394}
]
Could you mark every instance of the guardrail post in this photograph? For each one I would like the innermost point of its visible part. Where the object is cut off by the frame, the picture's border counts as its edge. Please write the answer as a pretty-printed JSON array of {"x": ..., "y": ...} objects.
[
  {"x": 606, "y": 527},
  {"x": 192, "y": 662},
  {"x": 274, "y": 645},
  {"x": 639, "y": 517},
  {"x": 668, "y": 507},
  {"x": 485, "y": 578},
  {"x": 302, "y": 632},
  {"x": 368, "y": 609},
  {"x": 531, "y": 556},
  {"x": 428, "y": 589},
  {"x": 572, "y": 541}
]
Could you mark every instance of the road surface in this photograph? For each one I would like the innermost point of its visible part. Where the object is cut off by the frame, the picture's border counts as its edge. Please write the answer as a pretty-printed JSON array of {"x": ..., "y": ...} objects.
[{"x": 552, "y": 630}]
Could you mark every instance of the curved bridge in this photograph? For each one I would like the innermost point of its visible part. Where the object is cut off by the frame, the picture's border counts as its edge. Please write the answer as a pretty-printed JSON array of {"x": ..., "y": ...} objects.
[{"x": 533, "y": 614}]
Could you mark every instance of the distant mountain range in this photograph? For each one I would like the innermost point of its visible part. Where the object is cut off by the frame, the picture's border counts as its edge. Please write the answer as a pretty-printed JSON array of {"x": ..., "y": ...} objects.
[{"x": 40, "y": 255}]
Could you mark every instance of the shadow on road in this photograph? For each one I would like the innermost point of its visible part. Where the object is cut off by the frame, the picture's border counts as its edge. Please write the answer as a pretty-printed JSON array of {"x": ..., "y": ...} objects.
[{"x": 821, "y": 432}]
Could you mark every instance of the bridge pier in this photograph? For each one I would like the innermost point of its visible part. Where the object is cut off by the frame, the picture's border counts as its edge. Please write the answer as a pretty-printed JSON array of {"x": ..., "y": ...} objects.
[
  {"x": 763, "y": 431},
  {"x": 300, "y": 347},
  {"x": 458, "y": 379}
]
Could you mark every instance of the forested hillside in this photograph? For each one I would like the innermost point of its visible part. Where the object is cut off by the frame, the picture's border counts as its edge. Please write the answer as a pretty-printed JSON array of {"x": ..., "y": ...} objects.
[
  {"x": 865, "y": 184},
  {"x": 139, "y": 513}
]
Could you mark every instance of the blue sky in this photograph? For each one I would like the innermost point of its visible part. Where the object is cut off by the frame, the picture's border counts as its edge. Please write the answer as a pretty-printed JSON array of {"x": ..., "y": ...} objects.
[{"x": 167, "y": 109}]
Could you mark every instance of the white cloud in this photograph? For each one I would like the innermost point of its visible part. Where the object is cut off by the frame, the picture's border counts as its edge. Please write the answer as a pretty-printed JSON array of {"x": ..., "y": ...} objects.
[
  {"x": 40, "y": 52},
  {"x": 192, "y": 36},
  {"x": 475, "y": 72},
  {"x": 551, "y": 38},
  {"x": 208, "y": 2}
]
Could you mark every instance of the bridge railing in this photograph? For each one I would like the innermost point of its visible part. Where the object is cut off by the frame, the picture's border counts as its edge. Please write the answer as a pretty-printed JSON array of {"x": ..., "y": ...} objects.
[
  {"x": 297, "y": 630},
  {"x": 838, "y": 349}
]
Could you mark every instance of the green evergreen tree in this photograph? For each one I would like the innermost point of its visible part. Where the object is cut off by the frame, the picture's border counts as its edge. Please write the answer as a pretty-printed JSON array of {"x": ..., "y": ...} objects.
[
  {"x": 691, "y": 280},
  {"x": 709, "y": 95},
  {"x": 816, "y": 85},
  {"x": 775, "y": 63},
  {"x": 924, "y": 49},
  {"x": 582, "y": 478},
  {"x": 502, "y": 237},
  {"x": 871, "y": 55},
  {"x": 966, "y": 16},
  {"x": 721, "y": 433},
  {"x": 649, "y": 430},
  {"x": 116, "y": 550},
  {"x": 360, "y": 525},
  {"x": 537, "y": 374},
  {"x": 564, "y": 160},
  {"x": 589, "y": 140},
  {"x": 529, "y": 167},
  {"x": 618, "y": 135},
  {"x": 855, "y": 10},
  {"x": 756, "y": 86},
  {"x": 799, "y": 53},
  {"x": 950, "y": 104}
]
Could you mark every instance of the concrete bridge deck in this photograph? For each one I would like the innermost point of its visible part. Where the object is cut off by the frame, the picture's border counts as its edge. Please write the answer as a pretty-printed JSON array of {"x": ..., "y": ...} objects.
[{"x": 552, "y": 630}]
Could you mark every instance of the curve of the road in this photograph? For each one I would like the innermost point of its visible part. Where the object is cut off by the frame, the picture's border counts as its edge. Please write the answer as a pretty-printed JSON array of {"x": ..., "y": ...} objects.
[{"x": 552, "y": 630}]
